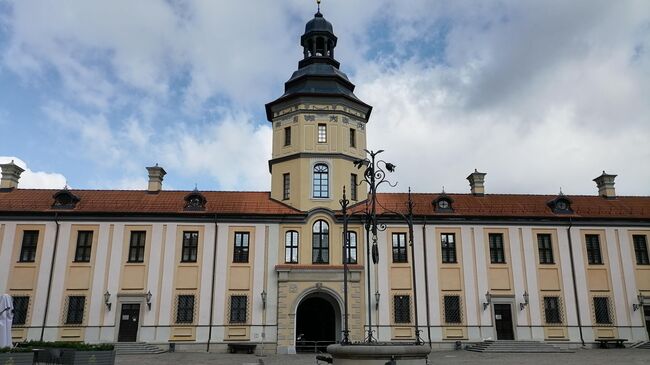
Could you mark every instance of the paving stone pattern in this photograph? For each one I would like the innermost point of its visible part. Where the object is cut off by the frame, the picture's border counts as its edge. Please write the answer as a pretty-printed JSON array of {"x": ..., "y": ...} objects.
[{"x": 580, "y": 357}]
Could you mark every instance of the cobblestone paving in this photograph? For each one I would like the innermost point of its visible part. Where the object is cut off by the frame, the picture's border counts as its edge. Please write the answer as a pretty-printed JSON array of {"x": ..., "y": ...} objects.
[{"x": 586, "y": 357}]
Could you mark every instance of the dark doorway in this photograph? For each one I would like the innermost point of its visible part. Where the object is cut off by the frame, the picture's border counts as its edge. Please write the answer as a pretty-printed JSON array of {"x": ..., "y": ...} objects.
[
  {"x": 503, "y": 322},
  {"x": 646, "y": 312},
  {"x": 315, "y": 325},
  {"x": 129, "y": 318}
]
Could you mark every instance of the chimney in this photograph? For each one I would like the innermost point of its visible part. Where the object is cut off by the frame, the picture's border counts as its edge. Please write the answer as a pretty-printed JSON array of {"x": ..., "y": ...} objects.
[
  {"x": 10, "y": 175},
  {"x": 605, "y": 183},
  {"x": 476, "y": 180},
  {"x": 156, "y": 175}
]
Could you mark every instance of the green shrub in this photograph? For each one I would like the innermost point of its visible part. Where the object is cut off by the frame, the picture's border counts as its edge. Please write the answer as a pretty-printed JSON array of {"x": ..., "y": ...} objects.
[
  {"x": 79, "y": 346},
  {"x": 14, "y": 349}
]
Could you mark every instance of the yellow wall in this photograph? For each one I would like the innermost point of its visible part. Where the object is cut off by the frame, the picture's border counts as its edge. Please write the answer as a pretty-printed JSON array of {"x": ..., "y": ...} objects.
[{"x": 451, "y": 282}]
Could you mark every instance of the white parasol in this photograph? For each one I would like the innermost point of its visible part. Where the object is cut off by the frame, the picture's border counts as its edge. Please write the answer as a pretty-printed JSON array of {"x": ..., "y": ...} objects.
[{"x": 6, "y": 318}]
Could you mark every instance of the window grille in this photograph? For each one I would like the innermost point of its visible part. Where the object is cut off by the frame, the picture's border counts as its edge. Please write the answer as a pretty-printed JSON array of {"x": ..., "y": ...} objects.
[
  {"x": 545, "y": 249},
  {"x": 641, "y": 249},
  {"x": 553, "y": 310},
  {"x": 286, "y": 186},
  {"x": 75, "y": 313},
  {"x": 352, "y": 248},
  {"x": 240, "y": 253},
  {"x": 28, "y": 247},
  {"x": 594, "y": 256},
  {"x": 353, "y": 186},
  {"x": 21, "y": 307},
  {"x": 320, "y": 242},
  {"x": 322, "y": 133},
  {"x": 238, "y": 308},
  {"x": 136, "y": 246},
  {"x": 185, "y": 309},
  {"x": 190, "y": 246},
  {"x": 453, "y": 313},
  {"x": 602, "y": 310},
  {"x": 287, "y": 136},
  {"x": 448, "y": 248},
  {"x": 353, "y": 138},
  {"x": 399, "y": 247},
  {"x": 497, "y": 251},
  {"x": 291, "y": 247},
  {"x": 402, "y": 308},
  {"x": 321, "y": 181}
]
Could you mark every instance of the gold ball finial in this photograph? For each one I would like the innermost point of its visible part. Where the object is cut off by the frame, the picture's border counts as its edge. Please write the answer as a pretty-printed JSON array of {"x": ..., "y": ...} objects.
[{"x": 318, "y": 3}]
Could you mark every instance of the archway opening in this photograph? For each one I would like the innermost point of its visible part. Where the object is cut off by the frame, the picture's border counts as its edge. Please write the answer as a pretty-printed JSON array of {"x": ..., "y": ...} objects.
[{"x": 316, "y": 324}]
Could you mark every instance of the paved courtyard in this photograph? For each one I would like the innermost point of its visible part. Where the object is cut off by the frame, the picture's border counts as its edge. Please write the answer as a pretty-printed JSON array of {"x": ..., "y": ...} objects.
[{"x": 586, "y": 357}]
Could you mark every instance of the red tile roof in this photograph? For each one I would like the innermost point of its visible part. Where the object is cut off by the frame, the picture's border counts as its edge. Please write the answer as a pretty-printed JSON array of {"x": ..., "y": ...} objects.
[
  {"x": 142, "y": 202},
  {"x": 260, "y": 203}
]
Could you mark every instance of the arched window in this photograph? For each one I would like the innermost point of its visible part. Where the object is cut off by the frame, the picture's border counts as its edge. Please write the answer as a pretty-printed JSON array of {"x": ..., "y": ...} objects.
[
  {"x": 320, "y": 242},
  {"x": 321, "y": 181},
  {"x": 352, "y": 248},
  {"x": 291, "y": 247}
]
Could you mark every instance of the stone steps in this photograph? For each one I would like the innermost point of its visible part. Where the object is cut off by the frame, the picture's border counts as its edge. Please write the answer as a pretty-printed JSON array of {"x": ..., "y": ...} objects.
[
  {"x": 644, "y": 345},
  {"x": 133, "y": 348},
  {"x": 503, "y": 346}
]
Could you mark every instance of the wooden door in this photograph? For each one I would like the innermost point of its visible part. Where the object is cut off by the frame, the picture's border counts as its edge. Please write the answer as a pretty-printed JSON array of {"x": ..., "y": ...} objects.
[
  {"x": 503, "y": 321},
  {"x": 129, "y": 318},
  {"x": 646, "y": 312}
]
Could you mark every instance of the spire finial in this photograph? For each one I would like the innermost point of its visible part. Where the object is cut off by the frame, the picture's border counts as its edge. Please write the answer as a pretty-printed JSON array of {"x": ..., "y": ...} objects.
[{"x": 318, "y": 4}]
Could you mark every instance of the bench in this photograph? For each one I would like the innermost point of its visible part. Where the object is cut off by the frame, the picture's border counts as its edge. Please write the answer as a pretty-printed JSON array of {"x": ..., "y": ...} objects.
[
  {"x": 604, "y": 342},
  {"x": 249, "y": 348}
]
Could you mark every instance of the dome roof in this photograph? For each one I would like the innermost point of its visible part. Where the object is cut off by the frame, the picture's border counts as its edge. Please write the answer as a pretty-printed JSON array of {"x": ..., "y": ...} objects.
[{"x": 318, "y": 24}]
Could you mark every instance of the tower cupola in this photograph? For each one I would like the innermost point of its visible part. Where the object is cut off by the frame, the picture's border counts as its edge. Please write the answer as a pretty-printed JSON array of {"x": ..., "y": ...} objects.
[{"x": 318, "y": 42}]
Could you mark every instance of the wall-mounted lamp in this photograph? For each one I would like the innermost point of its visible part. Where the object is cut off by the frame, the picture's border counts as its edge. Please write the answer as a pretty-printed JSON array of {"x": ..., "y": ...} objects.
[
  {"x": 525, "y": 303},
  {"x": 263, "y": 295},
  {"x": 107, "y": 300},
  {"x": 488, "y": 300},
  {"x": 636, "y": 306},
  {"x": 377, "y": 296},
  {"x": 148, "y": 298}
]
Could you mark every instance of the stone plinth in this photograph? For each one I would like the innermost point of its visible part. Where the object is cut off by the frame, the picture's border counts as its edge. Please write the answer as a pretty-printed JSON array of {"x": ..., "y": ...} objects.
[{"x": 379, "y": 354}]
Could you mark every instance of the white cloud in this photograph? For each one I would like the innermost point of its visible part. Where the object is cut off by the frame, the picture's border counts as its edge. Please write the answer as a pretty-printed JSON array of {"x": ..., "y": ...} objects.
[{"x": 35, "y": 179}]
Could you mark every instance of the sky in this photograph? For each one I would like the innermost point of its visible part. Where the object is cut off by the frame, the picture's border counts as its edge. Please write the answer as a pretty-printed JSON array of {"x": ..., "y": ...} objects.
[{"x": 540, "y": 95}]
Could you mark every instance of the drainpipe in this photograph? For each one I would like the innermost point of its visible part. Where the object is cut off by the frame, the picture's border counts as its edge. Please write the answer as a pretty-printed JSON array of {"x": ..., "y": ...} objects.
[
  {"x": 49, "y": 284},
  {"x": 426, "y": 278},
  {"x": 573, "y": 277},
  {"x": 214, "y": 269}
]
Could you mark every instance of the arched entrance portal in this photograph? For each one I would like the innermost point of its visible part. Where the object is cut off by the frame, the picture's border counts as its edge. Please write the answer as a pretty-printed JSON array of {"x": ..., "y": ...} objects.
[{"x": 317, "y": 323}]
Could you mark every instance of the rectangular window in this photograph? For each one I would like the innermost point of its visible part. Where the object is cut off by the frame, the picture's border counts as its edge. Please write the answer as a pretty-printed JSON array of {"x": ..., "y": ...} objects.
[
  {"x": 399, "y": 247},
  {"x": 75, "y": 313},
  {"x": 594, "y": 256},
  {"x": 28, "y": 248},
  {"x": 402, "y": 308},
  {"x": 353, "y": 186},
  {"x": 190, "y": 246},
  {"x": 353, "y": 138},
  {"x": 136, "y": 246},
  {"x": 452, "y": 309},
  {"x": 84, "y": 246},
  {"x": 601, "y": 310},
  {"x": 497, "y": 251},
  {"x": 21, "y": 306},
  {"x": 238, "y": 305},
  {"x": 352, "y": 248},
  {"x": 545, "y": 249},
  {"x": 287, "y": 136},
  {"x": 448, "y": 248},
  {"x": 291, "y": 247},
  {"x": 641, "y": 249},
  {"x": 286, "y": 186},
  {"x": 185, "y": 309},
  {"x": 322, "y": 133},
  {"x": 552, "y": 310},
  {"x": 240, "y": 254}
]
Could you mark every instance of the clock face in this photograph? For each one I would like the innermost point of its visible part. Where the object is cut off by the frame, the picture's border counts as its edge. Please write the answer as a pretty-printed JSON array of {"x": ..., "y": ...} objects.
[
  {"x": 561, "y": 205},
  {"x": 443, "y": 204}
]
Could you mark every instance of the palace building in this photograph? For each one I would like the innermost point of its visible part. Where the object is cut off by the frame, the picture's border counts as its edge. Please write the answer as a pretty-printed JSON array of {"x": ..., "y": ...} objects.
[{"x": 204, "y": 269}]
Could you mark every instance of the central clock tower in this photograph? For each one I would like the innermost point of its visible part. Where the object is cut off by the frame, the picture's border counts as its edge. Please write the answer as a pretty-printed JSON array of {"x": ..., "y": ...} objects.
[{"x": 319, "y": 128}]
